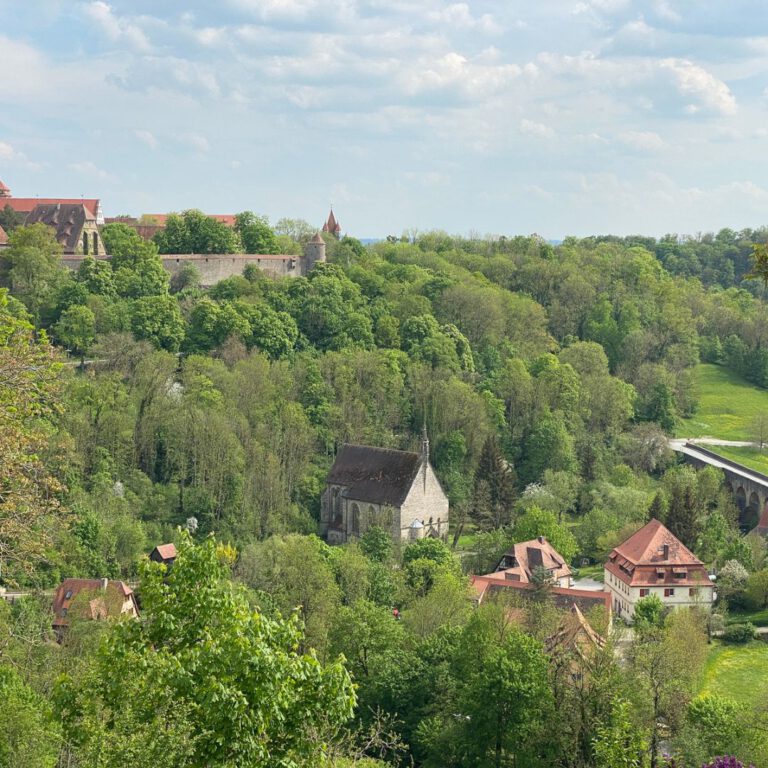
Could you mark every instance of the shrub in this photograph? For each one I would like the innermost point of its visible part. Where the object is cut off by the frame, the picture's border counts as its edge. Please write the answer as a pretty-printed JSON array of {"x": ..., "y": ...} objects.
[
  {"x": 726, "y": 762},
  {"x": 739, "y": 633}
]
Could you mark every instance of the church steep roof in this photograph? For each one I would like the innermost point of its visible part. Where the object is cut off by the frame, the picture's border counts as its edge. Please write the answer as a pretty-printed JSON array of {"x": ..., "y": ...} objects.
[
  {"x": 67, "y": 220},
  {"x": 376, "y": 475}
]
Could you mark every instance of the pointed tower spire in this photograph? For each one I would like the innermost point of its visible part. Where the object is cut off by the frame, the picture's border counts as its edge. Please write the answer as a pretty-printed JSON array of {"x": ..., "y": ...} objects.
[{"x": 424, "y": 454}]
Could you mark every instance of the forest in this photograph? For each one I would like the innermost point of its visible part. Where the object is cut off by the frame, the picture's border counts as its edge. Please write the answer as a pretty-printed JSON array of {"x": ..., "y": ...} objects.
[{"x": 136, "y": 409}]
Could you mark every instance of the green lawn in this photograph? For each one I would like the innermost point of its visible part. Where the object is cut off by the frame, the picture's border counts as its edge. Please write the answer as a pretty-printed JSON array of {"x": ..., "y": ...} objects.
[
  {"x": 749, "y": 457},
  {"x": 727, "y": 405},
  {"x": 758, "y": 618},
  {"x": 737, "y": 671},
  {"x": 591, "y": 572}
]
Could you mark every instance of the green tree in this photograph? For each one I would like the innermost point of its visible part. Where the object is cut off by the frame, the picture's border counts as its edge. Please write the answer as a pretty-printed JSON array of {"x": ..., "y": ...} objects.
[
  {"x": 494, "y": 492},
  {"x": 158, "y": 320},
  {"x": 255, "y": 233},
  {"x": 246, "y": 695},
  {"x": 536, "y": 522},
  {"x": 194, "y": 232},
  {"x": 33, "y": 255},
  {"x": 76, "y": 330},
  {"x": 617, "y": 743}
]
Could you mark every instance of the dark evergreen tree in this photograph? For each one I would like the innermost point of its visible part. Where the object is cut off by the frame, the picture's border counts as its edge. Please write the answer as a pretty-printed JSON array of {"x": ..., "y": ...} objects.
[
  {"x": 683, "y": 515},
  {"x": 658, "y": 508},
  {"x": 494, "y": 492}
]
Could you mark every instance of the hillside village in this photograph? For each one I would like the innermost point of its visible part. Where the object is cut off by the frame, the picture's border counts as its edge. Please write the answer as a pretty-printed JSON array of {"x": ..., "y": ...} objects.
[{"x": 311, "y": 427}]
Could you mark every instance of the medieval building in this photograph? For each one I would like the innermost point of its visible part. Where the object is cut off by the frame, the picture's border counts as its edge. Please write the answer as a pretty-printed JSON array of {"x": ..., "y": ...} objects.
[
  {"x": 395, "y": 490},
  {"x": 74, "y": 226}
]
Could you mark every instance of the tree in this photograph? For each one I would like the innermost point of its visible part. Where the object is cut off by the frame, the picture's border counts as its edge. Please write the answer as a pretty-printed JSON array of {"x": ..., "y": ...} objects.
[
  {"x": 759, "y": 269},
  {"x": 683, "y": 515},
  {"x": 536, "y": 522},
  {"x": 76, "y": 330},
  {"x": 158, "y": 320},
  {"x": 30, "y": 736},
  {"x": 255, "y": 233},
  {"x": 494, "y": 492},
  {"x": 194, "y": 232},
  {"x": 759, "y": 429},
  {"x": 30, "y": 513},
  {"x": 658, "y": 509},
  {"x": 240, "y": 688},
  {"x": 33, "y": 254},
  {"x": 9, "y": 219},
  {"x": 649, "y": 613},
  {"x": 618, "y": 743},
  {"x": 503, "y": 698}
]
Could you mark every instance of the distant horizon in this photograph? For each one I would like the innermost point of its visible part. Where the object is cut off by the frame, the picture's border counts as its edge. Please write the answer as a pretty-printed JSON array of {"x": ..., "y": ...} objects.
[{"x": 570, "y": 117}]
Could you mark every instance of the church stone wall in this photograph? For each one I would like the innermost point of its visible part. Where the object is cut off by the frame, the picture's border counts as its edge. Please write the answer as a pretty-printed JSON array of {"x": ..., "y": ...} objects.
[{"x": 425, "y": 501}]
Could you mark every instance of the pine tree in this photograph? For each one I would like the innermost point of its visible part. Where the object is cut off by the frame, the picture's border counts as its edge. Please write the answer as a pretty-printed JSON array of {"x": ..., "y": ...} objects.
[
  {"x": 657, "y": 510},
  {"x": 683, "y": 516},
  {"x": 494, "y": 491}
]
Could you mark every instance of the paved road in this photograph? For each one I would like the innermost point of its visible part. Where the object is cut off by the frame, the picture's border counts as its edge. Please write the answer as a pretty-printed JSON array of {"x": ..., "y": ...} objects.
[{"x": 681, "y": 441}]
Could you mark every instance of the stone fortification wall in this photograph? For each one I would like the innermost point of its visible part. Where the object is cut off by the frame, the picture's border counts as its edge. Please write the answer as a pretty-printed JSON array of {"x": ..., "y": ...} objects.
[{"x": 219, "y": 266}]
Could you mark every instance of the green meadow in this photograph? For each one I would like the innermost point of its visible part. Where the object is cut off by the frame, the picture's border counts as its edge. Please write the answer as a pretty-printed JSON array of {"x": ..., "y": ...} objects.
[
  {"x": 738, "y": 672},
  {"x": 727, "y": 406}
]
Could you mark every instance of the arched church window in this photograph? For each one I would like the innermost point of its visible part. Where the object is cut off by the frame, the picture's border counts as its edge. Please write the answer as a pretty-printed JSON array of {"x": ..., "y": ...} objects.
[
  {"x": 85, "y": 243},
  {"x": 371, "y": 516},
  {"x": 355, "y": 519},
  {"x": 95, "y": 243}
]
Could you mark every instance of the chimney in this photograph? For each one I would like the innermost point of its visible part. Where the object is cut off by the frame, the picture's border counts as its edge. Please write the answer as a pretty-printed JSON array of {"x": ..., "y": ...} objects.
[
  {"x": 541, "y": 539},
  {"x": 104, "y": 583},
  {"x": 665, "y": 551}
]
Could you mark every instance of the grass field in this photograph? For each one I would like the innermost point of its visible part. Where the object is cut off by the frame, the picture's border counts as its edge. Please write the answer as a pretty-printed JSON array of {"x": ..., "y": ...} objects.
[
  {"x": 758, "y": 618},
  {"x": 749, "y": 457},
  {"x": 737, "y": 671},
  {"x": 727, "y": 405}
]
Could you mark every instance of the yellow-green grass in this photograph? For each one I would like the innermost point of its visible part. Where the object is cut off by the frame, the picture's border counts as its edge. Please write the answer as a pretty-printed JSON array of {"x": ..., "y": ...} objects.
[
  {"x": 739, "y": 672},
  {"x": 749, "y": 457},
  {"x": 759, "y": 618},
  {"x": 727, "y": 405}
]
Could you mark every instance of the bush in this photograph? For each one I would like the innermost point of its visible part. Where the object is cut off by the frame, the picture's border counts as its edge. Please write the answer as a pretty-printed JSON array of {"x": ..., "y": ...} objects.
[
  {"x": 739, "y": 633},
  {"x": 726, "y": 762}
]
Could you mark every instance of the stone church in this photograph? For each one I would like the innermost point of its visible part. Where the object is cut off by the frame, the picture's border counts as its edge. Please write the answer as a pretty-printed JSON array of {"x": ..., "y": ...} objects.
[{"x": 395, "y": 490}]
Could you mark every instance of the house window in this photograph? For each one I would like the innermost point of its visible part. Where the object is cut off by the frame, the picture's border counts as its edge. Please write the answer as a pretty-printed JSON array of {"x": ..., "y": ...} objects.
[
  {"x": 64, "y": 611},
  {"x": 693, "y": 592},
  {"x": 68, "y": 595},
  {"x": 645, "y": 592},
  {"x": 355, "y": 519},
  {"x": 679, "y": 574},
  {"x": 669, "y": 592}
]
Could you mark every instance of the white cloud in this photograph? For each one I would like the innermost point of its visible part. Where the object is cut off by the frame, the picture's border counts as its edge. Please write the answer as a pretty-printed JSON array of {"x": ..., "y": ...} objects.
[
  {"x": 536, "y": 129},
  {"x": 115, "y": 28},
  {"x": 147, "y": 137},
  {"x": 198, "y": 142},
  {"x": 644, "y": 141},
  {"x": 88, "y": 168},
  {"x": 703, "y": 87},
  {"x": 458, "y": 15},
  {"x": 10, "y": 154}
]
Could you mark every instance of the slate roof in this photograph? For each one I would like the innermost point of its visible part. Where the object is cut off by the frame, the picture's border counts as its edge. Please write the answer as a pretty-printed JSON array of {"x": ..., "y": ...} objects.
[
  {"x": 376, "y": 475},
  {"x": 68, "y": 221}
]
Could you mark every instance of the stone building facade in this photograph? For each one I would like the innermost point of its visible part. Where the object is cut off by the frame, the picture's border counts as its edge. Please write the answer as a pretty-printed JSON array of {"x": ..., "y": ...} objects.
[
  {"x": 75, "y": 227},
  {"x": 395, "y": 490}
]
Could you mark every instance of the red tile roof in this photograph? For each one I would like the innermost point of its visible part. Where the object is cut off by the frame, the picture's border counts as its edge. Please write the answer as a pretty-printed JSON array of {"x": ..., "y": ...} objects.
[
  {"x": 563, "y": 596},
  {"x": 653, "y": 556},
  {"x": 332, "y": 225},
  {"x": 99, "y": 607},
  {"x": 28, "y": 204},
  {"x": 526, "y": 556},
  {"x": 164, "y": 551}
]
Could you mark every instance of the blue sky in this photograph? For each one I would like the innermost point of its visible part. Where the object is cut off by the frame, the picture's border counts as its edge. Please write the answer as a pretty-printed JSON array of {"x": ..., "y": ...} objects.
[{"x": 557, "y": 117}]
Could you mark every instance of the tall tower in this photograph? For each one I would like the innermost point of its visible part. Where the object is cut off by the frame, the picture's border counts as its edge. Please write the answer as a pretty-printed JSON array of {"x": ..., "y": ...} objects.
[
  {"x": 314, "y": 252},
  {"x": 332, "y": 226},
  {"x": 4, "y": 191}
]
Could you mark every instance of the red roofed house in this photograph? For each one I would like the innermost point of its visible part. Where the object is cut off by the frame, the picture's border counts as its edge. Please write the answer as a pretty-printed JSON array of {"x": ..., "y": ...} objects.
[
  {"x": 654, "y": 562},
  {"x": 519, "y": 563},
  {"x": 332, "y": 226},
  {"x": 91, "y": 599},
  {"x": 163, "y": 553}
]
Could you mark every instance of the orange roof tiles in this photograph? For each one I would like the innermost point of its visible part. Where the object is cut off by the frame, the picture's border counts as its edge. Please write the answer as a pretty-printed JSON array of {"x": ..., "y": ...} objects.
[{"x": 529, "y": 555}]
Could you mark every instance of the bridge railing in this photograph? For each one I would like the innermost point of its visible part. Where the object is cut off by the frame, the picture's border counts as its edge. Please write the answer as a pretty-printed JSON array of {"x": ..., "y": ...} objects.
[{"x": 728, "y": 462}]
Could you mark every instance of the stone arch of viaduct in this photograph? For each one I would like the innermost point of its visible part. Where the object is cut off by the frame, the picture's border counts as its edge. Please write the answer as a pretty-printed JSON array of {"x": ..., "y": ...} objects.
[{"x": 749, "y": 487}]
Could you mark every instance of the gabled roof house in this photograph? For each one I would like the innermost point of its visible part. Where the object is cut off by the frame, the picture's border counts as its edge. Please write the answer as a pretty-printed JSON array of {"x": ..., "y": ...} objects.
[{"x": 654, "y": 562}]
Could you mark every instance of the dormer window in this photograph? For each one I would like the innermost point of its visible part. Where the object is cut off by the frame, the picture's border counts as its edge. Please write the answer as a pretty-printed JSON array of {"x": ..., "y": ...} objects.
[
  {"x": 679, "y": 574},
  {"x": 659, "y": 574}
]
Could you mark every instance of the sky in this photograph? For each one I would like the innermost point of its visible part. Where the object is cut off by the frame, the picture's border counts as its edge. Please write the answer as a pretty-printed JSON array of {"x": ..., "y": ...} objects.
[{"x": 559, "y": 117}]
